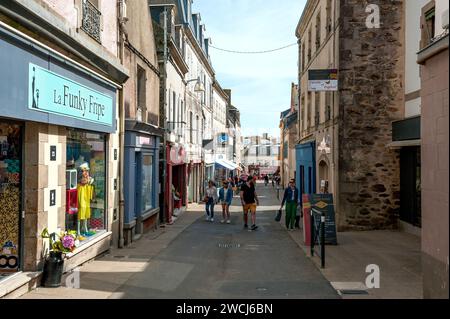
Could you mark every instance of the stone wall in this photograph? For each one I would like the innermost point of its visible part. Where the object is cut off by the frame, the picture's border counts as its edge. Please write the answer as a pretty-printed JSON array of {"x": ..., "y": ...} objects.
[{"x": 371, "y": 68}]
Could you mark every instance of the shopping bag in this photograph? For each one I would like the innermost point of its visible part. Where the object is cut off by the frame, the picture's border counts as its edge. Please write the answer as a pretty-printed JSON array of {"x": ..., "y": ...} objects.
[{"x": 278, "y": 217}]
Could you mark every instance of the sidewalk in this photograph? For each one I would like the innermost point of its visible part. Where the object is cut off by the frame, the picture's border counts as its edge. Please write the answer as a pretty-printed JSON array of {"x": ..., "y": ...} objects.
[
  {"x": 397, "y": 254},
  {"x": 102, "y": 277}
]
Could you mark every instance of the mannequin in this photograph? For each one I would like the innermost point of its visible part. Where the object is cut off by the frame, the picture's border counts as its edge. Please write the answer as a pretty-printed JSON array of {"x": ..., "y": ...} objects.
[{"x": 85, "y": 196}]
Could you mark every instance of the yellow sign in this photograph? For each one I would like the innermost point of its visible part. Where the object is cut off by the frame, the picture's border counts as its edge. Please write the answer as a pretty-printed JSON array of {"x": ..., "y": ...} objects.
[{"x": 321, "y": 205}]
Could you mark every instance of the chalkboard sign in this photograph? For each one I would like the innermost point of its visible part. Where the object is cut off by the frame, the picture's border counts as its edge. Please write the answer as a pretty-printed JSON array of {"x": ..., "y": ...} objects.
[{"x": 323, "y": 203}]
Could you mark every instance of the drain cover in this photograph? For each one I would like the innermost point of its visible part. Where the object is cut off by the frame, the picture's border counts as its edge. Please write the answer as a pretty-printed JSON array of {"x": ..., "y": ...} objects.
[
  {"x": 353, "y": 292},
  {"x": 229, "y": 245}
]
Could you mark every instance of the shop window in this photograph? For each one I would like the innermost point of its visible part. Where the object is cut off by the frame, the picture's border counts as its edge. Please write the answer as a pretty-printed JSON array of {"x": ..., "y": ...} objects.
[
  {"x": 329, "y": 19},
  {"x": 318, "y": 30},
  {"x": 86, "y": 184},
  {"x": 428, "y": 23},
  {"x": 10, "y": 197},
  {"x": 141, "y": 89},
  {"x": 147, "y": 183}
]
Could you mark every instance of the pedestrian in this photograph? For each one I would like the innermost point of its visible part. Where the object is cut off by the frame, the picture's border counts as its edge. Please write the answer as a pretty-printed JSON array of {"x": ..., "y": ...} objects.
[
  {"x": 250, "y": 201},
  {"x": 273, "y": 181},
  {"x": 210, "y": 200},
  {"x": 291, "y": 198},
  {"x": 266, "y": 180},
  {"x": 225, "y": 199}
]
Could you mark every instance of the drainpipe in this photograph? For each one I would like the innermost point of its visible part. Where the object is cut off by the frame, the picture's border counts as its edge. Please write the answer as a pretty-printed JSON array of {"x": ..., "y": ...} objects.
[
  {"x": 164, "y": 181},
  {"x": 120, "y": 51}
]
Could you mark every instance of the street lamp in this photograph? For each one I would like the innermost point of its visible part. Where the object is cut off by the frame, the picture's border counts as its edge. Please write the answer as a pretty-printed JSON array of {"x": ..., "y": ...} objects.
[{"x": 199, "y": 87}]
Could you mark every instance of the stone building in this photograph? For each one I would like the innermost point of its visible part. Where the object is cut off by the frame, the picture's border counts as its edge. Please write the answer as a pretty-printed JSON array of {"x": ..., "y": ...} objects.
[
  {"x": 289, "y": 135},
  {"x": 344, "y": 131},
  {"x": 140, "y": 121},
  {"x": 59, "y": 115}
]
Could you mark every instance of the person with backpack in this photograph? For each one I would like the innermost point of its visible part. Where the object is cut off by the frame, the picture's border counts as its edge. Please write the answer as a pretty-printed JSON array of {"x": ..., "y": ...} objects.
[
  {"x": 225, "y": 199},
  {"x": 250, "y": 202},
  {"x": 291, "y": 199}
]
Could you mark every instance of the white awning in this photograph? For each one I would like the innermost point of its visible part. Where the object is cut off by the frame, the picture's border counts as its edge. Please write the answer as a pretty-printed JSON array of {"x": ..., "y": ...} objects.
[
  {"x": 227, "y": 164},
  {"x": 400, "y": 144}
]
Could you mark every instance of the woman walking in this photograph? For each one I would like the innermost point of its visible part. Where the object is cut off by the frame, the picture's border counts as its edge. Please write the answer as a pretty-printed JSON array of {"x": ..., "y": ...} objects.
[
  {"x": 210, "y": 200},
  {"x": 291, "y": 198},
  {"x": 225, "y": 198}
]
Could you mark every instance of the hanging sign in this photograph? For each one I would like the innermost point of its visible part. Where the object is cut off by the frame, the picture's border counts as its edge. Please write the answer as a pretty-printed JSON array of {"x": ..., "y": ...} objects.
[
  {"x": 52, "y": 93},
  {"x": 322, "y": 80}
]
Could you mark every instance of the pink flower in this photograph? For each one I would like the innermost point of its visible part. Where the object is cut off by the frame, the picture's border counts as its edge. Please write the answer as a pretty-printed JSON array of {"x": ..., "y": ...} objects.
[{"x": 68, "y": 242}]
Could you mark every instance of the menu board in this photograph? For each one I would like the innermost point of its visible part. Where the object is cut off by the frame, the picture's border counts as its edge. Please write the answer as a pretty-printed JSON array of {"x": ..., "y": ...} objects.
[{"x": 323, "y": 203}]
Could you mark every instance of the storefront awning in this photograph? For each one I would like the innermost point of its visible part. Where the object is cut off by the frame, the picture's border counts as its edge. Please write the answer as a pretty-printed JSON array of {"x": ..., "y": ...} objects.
[
  {"x": 400, "y": 144},
  {"x": 227, "y": 164}
]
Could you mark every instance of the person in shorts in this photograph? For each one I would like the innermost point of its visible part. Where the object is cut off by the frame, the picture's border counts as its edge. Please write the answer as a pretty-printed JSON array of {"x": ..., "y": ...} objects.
[
  {"x": 225, "y": 199},
  {"x": 250, "y": 201}
]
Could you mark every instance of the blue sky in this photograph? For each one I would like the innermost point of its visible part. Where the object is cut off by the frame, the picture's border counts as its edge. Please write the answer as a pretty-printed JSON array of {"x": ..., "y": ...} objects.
[{"x": 261, "y": 83}]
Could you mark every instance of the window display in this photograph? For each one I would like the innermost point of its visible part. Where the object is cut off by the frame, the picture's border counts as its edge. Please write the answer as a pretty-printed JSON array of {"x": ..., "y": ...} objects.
[
  {"x": 10, "y": 196},
  {"x": 85, "y": 184},
  {"x": 147, "y": 183}
]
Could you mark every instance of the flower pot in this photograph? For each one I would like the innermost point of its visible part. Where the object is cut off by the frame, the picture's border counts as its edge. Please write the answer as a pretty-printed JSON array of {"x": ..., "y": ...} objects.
[{"x": 53, "y": 270}]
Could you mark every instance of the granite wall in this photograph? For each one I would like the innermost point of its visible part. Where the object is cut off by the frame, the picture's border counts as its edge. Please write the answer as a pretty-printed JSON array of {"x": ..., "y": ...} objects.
[{"x": 371, "y": 98}]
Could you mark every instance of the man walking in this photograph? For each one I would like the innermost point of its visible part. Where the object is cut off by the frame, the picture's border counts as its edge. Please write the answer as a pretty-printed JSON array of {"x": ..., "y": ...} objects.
[
  {"x": 291, "y": 198},
  {"x": 250, "y": 201}
]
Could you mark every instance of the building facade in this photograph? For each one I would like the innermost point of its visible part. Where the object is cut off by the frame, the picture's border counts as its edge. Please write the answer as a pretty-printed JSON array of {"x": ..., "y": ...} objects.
[
  {"x": 59, "y": 165},
  {"x": 344, "y": 131},
  {"x": 433, "y": 60},
  {"x": 141, "y": 122},
  {"x": 260, "y": 155},
  {"x": 289, "y": 135}
]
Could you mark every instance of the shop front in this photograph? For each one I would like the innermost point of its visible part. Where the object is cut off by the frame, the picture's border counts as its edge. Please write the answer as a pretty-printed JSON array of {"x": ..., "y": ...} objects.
[
  {"x": 306, "y": 167},
  {"x": 176, "y": 184},
  {"x": 10, "y": 197},
  {"x": 57, "y": 167},
  {"x": 141, "y": 183}
]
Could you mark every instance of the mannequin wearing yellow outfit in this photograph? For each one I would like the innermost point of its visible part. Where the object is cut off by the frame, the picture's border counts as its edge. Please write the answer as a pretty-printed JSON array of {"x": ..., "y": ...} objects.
[{"x": 85, "y": 196}]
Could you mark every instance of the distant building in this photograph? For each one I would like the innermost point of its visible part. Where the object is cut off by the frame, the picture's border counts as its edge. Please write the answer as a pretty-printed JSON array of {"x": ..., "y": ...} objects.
[
  {"x": 260, "y": 154},
  {"x": 289, "y": 135}
]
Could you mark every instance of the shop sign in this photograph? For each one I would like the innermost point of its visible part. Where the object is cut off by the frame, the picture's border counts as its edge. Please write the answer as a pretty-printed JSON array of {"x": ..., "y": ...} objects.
[
  {"x": 322, "y": 80},
  {"x": 52, "y": 93},
  {"x": 177, "y": 155},
  {"x": 144, "y": 141}
]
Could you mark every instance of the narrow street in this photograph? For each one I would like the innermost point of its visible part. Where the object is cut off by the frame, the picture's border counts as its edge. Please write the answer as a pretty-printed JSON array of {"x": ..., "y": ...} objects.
[{"x": 208, "y": 261}]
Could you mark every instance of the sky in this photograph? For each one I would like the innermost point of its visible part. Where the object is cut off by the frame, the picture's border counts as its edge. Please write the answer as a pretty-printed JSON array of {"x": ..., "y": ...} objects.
[{"x": 260, "y": 83}]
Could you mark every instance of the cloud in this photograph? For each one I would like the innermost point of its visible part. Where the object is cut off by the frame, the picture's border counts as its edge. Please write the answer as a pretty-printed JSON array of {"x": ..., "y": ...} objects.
[{"x": 260, "y": 83}]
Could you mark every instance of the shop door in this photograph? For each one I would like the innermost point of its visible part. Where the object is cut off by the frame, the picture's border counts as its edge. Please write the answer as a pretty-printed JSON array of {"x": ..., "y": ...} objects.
[
  {"x": 137, "y": 188},
  {"x": 410, "y": 186},
  {"x": 10, "y": 197}
]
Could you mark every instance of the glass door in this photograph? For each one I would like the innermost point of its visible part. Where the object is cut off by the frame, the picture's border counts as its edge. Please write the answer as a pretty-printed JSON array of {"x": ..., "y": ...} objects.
[{"x": 10, "y": 197}]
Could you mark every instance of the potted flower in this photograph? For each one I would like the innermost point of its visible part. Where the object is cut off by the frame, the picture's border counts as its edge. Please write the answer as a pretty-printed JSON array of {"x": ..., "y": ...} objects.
[{"x": 59, "y": 244}]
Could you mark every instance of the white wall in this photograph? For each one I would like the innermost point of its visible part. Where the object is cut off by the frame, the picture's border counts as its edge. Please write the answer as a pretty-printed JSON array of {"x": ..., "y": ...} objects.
[{"x": 441, "y": 6}]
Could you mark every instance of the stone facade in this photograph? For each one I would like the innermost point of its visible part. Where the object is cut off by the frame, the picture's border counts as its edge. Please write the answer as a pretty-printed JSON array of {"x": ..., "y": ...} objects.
[{"x": 370, "y": 99}]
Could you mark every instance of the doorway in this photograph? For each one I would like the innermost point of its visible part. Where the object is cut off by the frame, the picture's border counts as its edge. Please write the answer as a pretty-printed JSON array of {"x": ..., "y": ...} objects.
[
  {"x": 10, "y": 198},
  {"x": 410, "y": 186}
]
